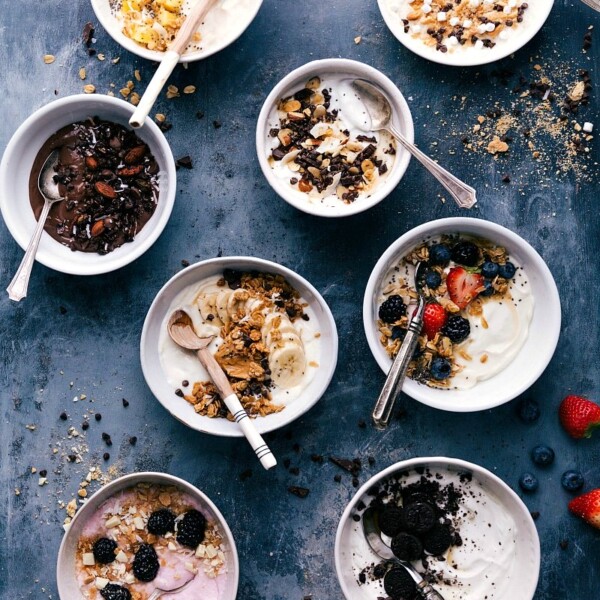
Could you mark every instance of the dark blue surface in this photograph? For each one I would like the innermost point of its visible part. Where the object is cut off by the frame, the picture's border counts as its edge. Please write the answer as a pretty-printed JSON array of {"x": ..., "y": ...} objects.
[{"x": 224, "y": 205}]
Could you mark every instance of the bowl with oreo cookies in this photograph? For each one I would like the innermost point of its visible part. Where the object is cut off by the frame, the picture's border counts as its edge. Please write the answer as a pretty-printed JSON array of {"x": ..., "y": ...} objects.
[
  {"x": 118, "y": 186},
  {"x": 460, "y": 527}
]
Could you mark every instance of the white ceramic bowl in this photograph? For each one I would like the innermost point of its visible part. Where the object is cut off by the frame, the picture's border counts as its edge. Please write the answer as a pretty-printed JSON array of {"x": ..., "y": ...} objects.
[
  {"x": 222, "y": 26},
  {"x": 544, "y": 329},
  {"x": 68, "y": 588},
  {"x": 535, "y": 17},
  {"x": 522, "y": 582},
  {"x": 157, "y": 318},
  {"x": 295, "y": 81},
  {"x": 16, "y": 167}
]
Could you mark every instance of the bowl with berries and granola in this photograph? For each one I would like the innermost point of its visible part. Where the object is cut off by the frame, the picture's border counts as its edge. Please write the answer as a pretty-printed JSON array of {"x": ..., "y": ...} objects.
[
  {"x": 147, "y": 532},
  {"x": 146, "y": 27},
  {"x": 492, "y": 315},
  {"x": 273, "y": 335}
]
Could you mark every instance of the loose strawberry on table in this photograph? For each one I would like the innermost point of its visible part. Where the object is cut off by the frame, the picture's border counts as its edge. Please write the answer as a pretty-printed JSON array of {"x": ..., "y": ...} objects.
[
  {"x": 579, "y": 416},
  {"x": 587, "y": 507}
]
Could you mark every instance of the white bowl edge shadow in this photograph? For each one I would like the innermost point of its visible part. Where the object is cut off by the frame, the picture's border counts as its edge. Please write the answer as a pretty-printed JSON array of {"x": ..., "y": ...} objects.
[
  {"x": 178, "y": 407},
  {"x": 113, "y": 27},
  {"x": 470, "y": 57},
  {"x": 486, "y": 478},
  {"x": 295, "y": 80},
  {"x": 17, "y": 163},
  {"x": 68, "y": 588},
  {"x": 535, "y": 354}
]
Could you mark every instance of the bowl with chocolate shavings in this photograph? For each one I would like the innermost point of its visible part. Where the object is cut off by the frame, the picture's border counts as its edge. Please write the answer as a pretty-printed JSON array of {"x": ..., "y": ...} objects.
[
  {"x": 492, "y": 313},
  {"x": 315, "y": 143},
  {"x": 272, "y": 334},
  {"x": 464, "y": 34},
  {"x": 462, "y": 528},
  {"x": 118, "y": 185}
]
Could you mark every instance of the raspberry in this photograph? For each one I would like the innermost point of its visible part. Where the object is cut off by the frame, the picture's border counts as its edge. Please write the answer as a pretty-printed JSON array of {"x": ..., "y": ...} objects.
[
  {"x": 145, "y": 563},
  {"x": 392, "y": 309},
  {"x": 115, "y": 592},
  {"x": 161, "y": 521},
  {"x": 190, "y": 530},
  {"x": 104, "y": 550},
  {"x": 457, "y": 328}
]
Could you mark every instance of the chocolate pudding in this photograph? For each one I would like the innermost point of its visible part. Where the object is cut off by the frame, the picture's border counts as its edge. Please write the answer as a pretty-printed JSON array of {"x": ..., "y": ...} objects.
[{"x": 108, "y": 179}]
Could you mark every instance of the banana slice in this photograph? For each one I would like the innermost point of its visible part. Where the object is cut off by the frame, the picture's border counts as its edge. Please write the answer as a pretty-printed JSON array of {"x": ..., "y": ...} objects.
[
  {"x": 222, "y": 304},
  {"x": 207, "y": 304},
  {"x": 287, "y": 365}
]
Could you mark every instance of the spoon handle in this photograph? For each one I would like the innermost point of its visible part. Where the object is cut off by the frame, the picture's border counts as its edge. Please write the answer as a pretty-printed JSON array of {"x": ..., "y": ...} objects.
[
  {"x": 235, "y": 407},
  {"x": 17, "y": 289},
  {"x": 397, "y": 373},
  {"x": 463, "y": 194},
  {"x": 428, "y": 593}
]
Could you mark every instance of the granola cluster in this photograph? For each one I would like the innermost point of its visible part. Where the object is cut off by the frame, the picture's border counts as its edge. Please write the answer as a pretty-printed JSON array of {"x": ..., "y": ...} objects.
[
  {"x": 125, "y": 521},
  {"x": 244, "y": 353}
]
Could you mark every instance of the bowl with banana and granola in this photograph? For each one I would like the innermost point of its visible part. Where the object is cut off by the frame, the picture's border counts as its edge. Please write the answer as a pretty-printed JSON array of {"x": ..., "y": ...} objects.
[
  {"x": 146, "y": 27},
  {"x": 272, "y": 334},
  {"x": 492, "y": 313},
  {"x": 147, "y": 532}
]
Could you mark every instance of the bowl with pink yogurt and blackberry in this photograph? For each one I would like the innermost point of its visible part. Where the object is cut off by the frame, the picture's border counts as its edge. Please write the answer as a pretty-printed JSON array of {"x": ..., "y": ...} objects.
[{"x": 148, "y": 533}]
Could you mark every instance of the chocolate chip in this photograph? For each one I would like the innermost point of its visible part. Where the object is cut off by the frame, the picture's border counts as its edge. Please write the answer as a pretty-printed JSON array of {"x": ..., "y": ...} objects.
[
  {"x": 106, "y": 456},
  {"x": 185, "y": 162},
  {"x": 245, "y": 474},
  {"x": 301, "y": 492},
  {"x": 295, "y": 471},
  {"x": 85, "y": 425},
  {"x": 179, "y": 393},
  {"x": 63, "y": 416},
  {"x": 506, "y": 179},
  {"x": 98, "y": 417},
  {"x": 125, "y": 402},
  {"x": 62, "y": 310},
  {"x": 88, "y": 33},
  {"x": 200, "y": 114},
  {"x": 337, "y": 478},
  {"x": 133, "y": 440},
  {"x": 217, "y": 124},
  {"x": 43, "y": 473},
  {"x": 564, "y": 544}
]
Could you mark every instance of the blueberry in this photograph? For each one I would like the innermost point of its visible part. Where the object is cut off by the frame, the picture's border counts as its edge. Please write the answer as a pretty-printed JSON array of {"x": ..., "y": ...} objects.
[
  {"x": 528, "y": 482},
  {"x": 433, "y": 279},
  {"x": 398, "y": 333},
  {"x": 440, "y": 368},
  {"x": 542, "y": 456},
  {"x": 572, "y": 481},
  {"x": 439, "y": 254},
  {"x": 489, "y": 269},
  {"x": 528, "y": 410},
  {"x": 489, "y": 288},
  {"x": 507, "y": 270}
]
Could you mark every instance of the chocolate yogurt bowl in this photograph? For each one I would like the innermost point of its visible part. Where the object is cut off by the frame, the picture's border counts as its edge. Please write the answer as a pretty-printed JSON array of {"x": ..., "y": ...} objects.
[
  {"x": 315, "y": 144},
  {"x": 494, "y": 344},
  {"x": 121, "y": 514},
  {"x": 129, "y": 190},
  {"x": 472, "y": 537},
  {"x": 274, "y": 335}
]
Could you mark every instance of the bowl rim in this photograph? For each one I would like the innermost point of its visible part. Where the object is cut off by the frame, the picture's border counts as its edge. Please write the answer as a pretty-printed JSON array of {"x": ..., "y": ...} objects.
[
  {"x": 420, "y": 49},
  {"x": 485, "y": 228},
  {"x": 154, "y": 55},
  {"x": 204, "y": 424},
  {"x": 131, "y": 479},
  {"x": 341, "y": 65},
  {"x": 134, "y": 251},
  {"x": 412, "y": 463}
]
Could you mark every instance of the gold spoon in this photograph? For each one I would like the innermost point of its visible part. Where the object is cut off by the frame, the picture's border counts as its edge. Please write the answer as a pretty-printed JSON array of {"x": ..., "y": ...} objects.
[{"x": 182, "y": 333}]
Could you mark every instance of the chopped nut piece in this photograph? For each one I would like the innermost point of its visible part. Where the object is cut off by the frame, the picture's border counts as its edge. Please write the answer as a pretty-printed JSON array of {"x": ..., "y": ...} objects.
[{"x": 49, "y": 58}]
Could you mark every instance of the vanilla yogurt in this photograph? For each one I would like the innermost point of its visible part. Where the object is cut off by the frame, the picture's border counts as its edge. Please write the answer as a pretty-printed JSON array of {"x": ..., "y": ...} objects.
[
  {"x": 484, "y": 566},
  {"x": 179, "y": 364},
  {"x": 352, "y": 121}
]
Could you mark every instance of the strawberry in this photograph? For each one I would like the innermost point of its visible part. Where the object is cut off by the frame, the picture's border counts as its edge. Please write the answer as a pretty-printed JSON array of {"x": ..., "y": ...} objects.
[
  {"x": 579, "y": 416},
  {"x": 464, "y": 286},
  {"x": 434, "y": 318},
  {"x": 587, "y": 507}
]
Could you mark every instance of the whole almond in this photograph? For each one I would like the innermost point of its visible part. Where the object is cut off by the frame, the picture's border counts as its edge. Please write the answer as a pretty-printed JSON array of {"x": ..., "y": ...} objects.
[
  {"x": 91, "y": 163},
  {"x": 130, "y": 171},
  {"x": 105, "y": 190},
  {"x": 134, "y": 155},
  {"x": 97, "y": 228}
]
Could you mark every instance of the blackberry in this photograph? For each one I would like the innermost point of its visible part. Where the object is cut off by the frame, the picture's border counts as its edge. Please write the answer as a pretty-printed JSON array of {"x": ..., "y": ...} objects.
[
  {"x": 489, "y": 269},
  {"x": 419, "y": 517},
  {"x": 161, "y": 521},
  {"x": 115, "y": 592},
  {"x": 104, "y": 550},
  {"x": 392, "y": 309},
  {"x": 190, "y": 530},
  {"x": 407, "y": 547},
  {"x": 390, "y": 520},
  {"x": 440, "y": 368},
  {"x": 399, "y": 585},
  {"x": 457, "y": 328},
  {"x": 542, "y": 456},
  {"x": 572, "y": 481},
  {"x": 465, "y": 253},
  {"x": 433, "y": 279},
  {"x": 439, "y": 254},
  {"x": 507, "y": 270},
  {"x": 145, "y": 563},
  {"x": 437, "y": 540}
]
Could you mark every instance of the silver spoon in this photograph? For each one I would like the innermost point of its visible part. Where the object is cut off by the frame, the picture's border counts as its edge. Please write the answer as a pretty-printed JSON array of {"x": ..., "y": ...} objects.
[
  {"x": 17, "y": 289},
  {"x": 182, "y": 333},
  {"x": 158, "y": 593},
  {"x": 379, "y": 109},
  {"x": 397, "y": 373},
  {"x": 376, "y": 543},
  {"x": 595, "y": 4}
]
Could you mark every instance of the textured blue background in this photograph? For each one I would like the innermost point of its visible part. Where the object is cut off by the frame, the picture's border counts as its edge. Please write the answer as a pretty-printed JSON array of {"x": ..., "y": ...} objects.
[{"x": 225, "y": 205}]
